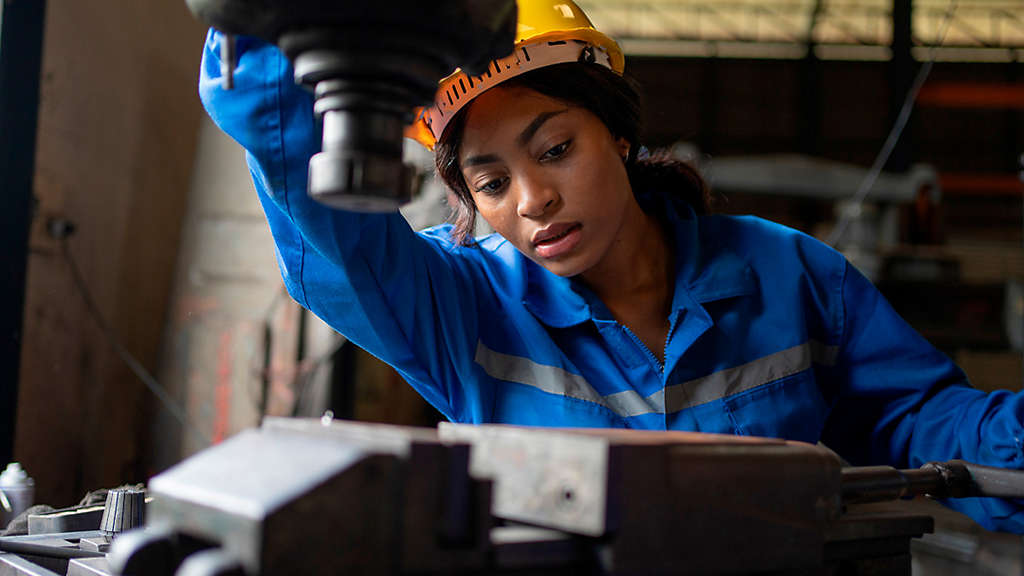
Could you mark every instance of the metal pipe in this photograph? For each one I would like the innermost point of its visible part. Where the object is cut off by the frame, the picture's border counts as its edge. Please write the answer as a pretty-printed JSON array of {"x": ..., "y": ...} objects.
[{"x": 953, "y": 479}]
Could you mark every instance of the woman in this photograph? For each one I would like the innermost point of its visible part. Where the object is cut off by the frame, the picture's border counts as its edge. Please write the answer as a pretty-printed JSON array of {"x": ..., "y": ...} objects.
[{"x": 608, "y": 298}]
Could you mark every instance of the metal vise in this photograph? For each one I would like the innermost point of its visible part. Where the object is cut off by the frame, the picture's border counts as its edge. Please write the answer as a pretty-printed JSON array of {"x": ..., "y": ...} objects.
[
  {"x": 297, "y": 497},
  {"x": 303, "y": 497}
]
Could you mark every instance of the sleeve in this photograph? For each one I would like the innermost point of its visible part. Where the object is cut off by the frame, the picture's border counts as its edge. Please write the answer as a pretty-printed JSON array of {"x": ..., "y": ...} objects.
[
  {"x": 914, "y": 405},
  {"x": 406, "y": 298}
]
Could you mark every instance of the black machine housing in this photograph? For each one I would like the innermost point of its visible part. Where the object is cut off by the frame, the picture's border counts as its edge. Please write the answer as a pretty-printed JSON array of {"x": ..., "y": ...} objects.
[{"x": 370, "y": 65}]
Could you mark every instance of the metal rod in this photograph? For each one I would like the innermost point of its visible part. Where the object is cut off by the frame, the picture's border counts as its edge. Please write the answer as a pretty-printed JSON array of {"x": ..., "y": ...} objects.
[
  {"x": 878, "y": 483},
  {"x": 953, "y": 479},
  {"x": 996, "y": 482},
  {"x": 48, "y": 551}
]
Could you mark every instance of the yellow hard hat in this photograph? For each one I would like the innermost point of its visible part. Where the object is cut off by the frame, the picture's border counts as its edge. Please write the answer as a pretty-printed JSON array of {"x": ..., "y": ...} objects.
[{"x": 549, "y": 32}]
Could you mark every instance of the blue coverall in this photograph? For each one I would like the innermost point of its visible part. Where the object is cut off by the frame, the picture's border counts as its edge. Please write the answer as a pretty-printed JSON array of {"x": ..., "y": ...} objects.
[{"x": 772, "y": 333}]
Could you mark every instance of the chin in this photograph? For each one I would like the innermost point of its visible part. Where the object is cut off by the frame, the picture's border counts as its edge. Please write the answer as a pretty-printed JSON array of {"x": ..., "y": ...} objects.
[
  {"x": 566, "y": 268},
  {"x": 563, "y": 272}
]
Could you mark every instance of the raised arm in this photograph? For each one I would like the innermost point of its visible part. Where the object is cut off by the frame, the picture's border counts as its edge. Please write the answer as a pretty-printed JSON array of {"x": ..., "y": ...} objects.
[
  {"x": 915, "y": 405},
  {"x": 410, "y": 299}
]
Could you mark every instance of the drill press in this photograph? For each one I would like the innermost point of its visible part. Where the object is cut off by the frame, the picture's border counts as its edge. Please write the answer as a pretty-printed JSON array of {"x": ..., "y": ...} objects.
[{"x": 369, "y": 65}]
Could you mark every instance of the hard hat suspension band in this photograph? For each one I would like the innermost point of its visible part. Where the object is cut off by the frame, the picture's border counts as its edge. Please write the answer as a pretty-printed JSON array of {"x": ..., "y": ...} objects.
[{"x": 459, "y": 89}]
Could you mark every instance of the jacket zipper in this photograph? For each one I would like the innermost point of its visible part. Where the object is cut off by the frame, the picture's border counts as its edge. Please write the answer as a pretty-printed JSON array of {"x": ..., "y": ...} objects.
[
  {"x": 668, "y": 337},
  {"x": 640, "y": 343}
]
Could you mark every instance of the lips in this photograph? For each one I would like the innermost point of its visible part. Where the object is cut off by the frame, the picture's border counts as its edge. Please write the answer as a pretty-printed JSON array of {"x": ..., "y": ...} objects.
[
  {"x": 557, "y": 239},
  {"x": 552, "y": 232}
]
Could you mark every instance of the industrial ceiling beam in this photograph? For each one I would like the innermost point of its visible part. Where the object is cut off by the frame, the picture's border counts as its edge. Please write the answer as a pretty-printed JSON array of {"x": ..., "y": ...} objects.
[{"x": 979, "y": 30}]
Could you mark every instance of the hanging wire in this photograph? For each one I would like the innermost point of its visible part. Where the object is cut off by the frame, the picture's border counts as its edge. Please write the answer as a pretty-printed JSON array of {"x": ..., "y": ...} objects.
[
  {"x": 894, "y": 134},
  {"x": 263, "y": 375},
  {"x": 307, "y": 370},
  {"x": 302, "y": 375},
  {"x": 133, "y": 364}
]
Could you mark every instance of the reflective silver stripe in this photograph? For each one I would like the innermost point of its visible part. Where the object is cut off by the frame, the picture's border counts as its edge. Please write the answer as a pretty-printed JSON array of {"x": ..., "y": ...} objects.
[
  {"x": 550, "y": 379},
  {"x": 744, "y": 377},
  {"x": 630, "y": 403},
  {"x": 554, "y": 380}
]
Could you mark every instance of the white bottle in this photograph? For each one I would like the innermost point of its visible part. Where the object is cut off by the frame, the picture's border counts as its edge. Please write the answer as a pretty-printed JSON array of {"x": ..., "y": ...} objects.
[{"x": 18, "y": 492}]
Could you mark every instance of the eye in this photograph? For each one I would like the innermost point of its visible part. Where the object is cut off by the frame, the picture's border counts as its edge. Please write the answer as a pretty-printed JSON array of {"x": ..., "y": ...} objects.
[
  {"x": 492, "y": 187},
  {"x": 557, "y": 151}
]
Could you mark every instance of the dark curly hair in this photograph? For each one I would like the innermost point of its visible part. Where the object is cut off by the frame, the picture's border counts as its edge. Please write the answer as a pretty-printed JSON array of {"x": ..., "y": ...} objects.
[{"x": 615, "y": 100}]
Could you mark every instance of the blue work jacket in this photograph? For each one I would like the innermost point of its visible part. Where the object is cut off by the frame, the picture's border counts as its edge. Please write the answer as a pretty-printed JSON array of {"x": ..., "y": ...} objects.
[{"x": 772, "y": 332}]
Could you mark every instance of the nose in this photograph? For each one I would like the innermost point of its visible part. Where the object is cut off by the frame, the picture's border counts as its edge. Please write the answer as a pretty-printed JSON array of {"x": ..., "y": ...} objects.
[{"x": 537, "y": 196}]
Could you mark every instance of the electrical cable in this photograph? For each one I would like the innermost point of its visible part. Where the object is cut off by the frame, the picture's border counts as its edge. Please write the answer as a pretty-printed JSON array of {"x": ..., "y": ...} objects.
[
  {"x": 267, "y": 326},
  {"x": 133, "y": 364},
  {"x": 864, "y": 189},
  {"x": 304, "y": 371},
  {"x": 307, "y": 370}
]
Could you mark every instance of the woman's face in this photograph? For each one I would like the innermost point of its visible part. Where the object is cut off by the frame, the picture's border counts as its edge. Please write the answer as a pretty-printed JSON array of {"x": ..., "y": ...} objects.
[{"x": 547, "y": 176}]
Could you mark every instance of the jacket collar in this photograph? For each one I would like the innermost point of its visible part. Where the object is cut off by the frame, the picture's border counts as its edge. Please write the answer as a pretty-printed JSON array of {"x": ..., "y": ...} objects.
[
  {"x": 705, "y": 272},
  {"x": 552, "y": 299},
  {"x": 705, "y": 269}
]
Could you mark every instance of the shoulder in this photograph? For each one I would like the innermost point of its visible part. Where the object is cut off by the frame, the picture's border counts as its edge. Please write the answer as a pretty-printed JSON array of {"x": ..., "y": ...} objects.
[
  {"x": 490, "y": 257},
  {"x": 769, "y": 245},
  {"x": 794, "y": 272},
  {"x": 491, "y": 245},
  {"x": 747, "y": 229}
]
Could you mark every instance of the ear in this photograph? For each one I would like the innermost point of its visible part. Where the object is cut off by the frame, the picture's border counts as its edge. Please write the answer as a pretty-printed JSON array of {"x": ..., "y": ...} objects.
[{"x": 622, "y": 145}]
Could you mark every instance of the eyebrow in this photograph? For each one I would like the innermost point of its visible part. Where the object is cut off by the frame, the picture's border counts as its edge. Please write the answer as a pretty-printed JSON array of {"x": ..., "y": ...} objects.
[
  {"x": 521, "y": 140},
  {"x": 478, "y": 160},
  {"x": 539, "y": 121}
]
